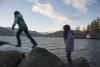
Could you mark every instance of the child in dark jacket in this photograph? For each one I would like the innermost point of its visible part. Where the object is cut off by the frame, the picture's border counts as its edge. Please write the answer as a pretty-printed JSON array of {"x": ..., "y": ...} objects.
[
  {"x": 69, "y": 41},
  {"x": 18, "y": 19}
]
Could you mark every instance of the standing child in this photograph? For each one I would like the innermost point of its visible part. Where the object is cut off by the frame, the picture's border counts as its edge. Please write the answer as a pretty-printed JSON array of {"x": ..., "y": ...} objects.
[
  {"x": 22, "y": 27},
  {"x": 69, "y": 41}
]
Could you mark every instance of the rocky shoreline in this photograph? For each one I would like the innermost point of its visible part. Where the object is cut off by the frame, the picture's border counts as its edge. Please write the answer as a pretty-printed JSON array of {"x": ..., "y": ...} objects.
[{"x": 38, "y": 57}]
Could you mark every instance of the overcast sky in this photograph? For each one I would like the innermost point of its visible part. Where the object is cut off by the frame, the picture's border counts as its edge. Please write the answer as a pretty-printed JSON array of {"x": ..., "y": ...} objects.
[{"x": 50, "y": 15}]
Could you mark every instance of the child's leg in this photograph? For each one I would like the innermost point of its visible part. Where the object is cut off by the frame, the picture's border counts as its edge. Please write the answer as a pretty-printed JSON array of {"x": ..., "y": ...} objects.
[
  {"x": 69, "y": 57},
  {"x": 18, "y": 38},
  {"x": 28, "y": 35}
]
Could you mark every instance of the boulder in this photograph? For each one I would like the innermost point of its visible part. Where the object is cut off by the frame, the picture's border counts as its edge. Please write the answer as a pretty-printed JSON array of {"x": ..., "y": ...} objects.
[
  {"x": 40, "y": 57},
  {"x": 10, "y": 58},
  {"x": 79, "y": 62}
]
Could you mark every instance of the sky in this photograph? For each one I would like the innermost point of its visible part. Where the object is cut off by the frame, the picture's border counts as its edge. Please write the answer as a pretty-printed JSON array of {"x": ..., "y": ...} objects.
[{"x": 50, "y": 15}]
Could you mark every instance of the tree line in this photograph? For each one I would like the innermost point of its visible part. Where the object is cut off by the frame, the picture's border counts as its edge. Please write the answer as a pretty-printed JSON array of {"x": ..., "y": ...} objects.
[{"x": 94, "y": 27}]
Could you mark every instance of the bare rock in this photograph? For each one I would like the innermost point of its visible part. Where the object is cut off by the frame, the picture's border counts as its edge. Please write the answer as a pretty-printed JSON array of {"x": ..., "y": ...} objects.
[
  {"x": 10, "y": 58},
  {"x": 79, "y": 62},
  {"x": 40, "y": 57}
]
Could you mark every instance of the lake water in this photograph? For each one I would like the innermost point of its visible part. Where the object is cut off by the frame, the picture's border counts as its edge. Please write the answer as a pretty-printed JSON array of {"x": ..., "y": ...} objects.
[{"x": 88, "y": 48}]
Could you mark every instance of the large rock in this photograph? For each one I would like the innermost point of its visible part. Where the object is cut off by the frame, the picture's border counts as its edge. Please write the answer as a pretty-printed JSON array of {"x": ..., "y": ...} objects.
[
  {"x": 10, "y": 58},
  {"x": 79, "y": 62},
  {"x": 40, "y": 57}
]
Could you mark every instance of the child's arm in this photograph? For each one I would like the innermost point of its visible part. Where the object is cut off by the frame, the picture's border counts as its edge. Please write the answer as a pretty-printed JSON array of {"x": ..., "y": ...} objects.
[{"x": 15, "y": 21}]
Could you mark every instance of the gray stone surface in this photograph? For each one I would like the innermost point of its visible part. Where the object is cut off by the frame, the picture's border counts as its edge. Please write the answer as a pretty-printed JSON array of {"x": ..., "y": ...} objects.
[
  {"x": 40, "y": 57},
  {"x": 10, "y": 58},
  {"x": 79, "y": 62}
]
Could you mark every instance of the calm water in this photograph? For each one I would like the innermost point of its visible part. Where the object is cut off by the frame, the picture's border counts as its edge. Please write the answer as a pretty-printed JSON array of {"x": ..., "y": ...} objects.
[{"x": 88, "y": 48}]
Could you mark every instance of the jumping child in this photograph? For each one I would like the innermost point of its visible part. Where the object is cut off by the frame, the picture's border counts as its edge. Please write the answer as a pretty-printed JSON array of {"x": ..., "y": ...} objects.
[{"x": 18, "y": 19}]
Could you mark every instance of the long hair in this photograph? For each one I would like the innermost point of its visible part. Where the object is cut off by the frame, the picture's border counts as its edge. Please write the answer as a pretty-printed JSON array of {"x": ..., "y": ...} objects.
[
  {"x": 66, "y": 29},
  {"x": 16, "y": 12}
]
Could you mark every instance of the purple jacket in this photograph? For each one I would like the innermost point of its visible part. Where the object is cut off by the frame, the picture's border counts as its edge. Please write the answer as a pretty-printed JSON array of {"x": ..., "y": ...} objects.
[{"x": 69, "y": 42}]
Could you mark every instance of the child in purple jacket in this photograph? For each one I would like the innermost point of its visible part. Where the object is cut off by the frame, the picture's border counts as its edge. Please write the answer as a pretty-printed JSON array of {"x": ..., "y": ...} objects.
[{"x": 69, "y": 41}]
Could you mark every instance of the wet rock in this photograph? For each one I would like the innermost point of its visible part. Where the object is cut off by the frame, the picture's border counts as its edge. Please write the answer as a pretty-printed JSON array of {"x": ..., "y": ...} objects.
[
  {"x": 3, "y": 42},
  {"x": 79, "y": 62},
  {"x": 10, "y": 58},
  {"x": 40, "y": 57}
]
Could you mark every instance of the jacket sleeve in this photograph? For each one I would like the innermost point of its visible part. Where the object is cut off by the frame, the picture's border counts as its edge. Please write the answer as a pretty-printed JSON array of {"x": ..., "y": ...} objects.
[{"x": 15, "y": 21}]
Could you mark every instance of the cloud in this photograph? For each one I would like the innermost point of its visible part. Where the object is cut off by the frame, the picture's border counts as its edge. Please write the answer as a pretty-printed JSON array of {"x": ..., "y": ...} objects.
[
  {"x": 48, "y": 10},
  {"x": 35, "y": 1},
  {"x": 80, "y": 5}
]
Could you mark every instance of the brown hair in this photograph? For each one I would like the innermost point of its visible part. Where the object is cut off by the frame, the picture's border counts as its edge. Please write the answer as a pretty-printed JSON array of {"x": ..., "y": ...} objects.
[
  {"x": 16, "y": 12},
  {"x": 66, "y": 29}
]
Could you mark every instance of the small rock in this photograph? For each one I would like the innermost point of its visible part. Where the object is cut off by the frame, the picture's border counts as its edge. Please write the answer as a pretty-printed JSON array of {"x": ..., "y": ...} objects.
[{"x": 3, "y": 42}]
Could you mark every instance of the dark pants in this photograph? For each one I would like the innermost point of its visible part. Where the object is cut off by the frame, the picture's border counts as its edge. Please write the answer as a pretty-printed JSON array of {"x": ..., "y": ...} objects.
[
  {"x": 27, "y": 34},
  {"x": 69, "y": 57}
]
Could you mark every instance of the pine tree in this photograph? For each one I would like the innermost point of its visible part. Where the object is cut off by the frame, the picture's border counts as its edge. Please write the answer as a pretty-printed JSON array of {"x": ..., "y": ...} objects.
[
  {"x": 94, "y": 26},
  {"x": 78, "y": 29},
  {"x": 88, "y": 27}
]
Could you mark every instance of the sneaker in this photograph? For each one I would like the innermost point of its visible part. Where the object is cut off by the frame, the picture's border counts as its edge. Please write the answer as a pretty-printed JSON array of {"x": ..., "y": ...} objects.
[{"x": 34, "y": 44}]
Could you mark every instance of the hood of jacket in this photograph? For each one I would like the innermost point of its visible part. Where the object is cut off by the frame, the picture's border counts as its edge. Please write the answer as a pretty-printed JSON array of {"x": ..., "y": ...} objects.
[
  {"x": 19, "y": 15},
  {"x": 71, "y": 31}
]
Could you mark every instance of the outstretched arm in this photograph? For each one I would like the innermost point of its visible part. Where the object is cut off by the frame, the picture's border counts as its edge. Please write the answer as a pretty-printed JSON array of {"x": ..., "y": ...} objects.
[{"x": 15, "y": 21}]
